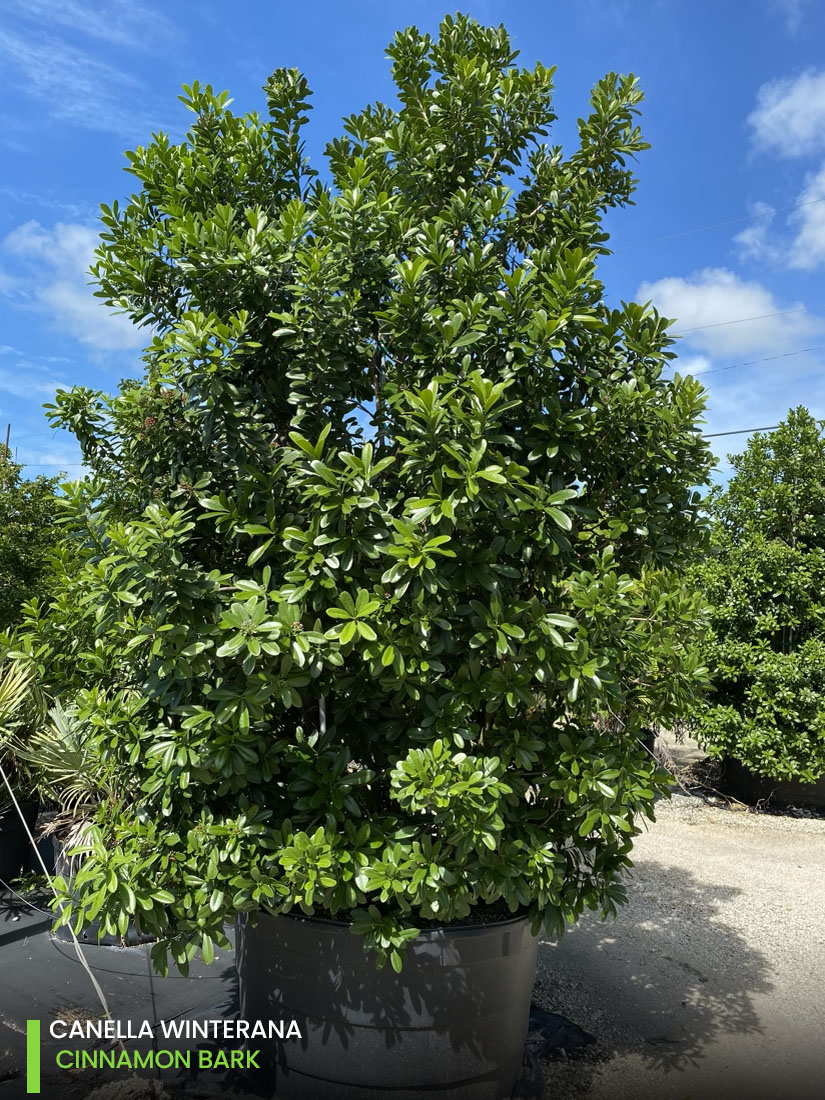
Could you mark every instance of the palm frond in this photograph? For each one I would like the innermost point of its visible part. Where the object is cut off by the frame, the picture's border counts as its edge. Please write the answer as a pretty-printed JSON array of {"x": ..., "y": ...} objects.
[
  {"x": 67, "y": 764},
  {"x": 15, "y": 688}
]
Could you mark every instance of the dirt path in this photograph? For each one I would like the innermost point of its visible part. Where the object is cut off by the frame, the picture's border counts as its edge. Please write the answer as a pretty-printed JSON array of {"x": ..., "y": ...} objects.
[{"x": 711, "y": 984}]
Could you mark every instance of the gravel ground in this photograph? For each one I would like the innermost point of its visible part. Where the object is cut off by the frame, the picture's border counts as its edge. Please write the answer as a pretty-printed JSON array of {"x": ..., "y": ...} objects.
[{"x": 711, "y": 982}]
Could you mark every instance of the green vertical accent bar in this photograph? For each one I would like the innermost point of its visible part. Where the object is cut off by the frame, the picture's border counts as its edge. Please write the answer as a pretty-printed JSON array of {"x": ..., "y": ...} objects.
[{"x": 32, "y": 1056}]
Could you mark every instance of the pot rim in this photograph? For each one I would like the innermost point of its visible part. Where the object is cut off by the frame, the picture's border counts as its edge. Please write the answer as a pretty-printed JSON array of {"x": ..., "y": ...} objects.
[{"x": 442, "y": 931}]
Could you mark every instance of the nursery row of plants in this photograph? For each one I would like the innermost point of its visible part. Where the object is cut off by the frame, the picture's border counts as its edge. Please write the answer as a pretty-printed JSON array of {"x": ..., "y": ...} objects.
[{"x": 379, "y": 572}]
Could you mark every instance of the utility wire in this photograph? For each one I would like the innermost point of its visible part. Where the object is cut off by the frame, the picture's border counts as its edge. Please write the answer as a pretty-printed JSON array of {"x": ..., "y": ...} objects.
[
  {"x": 766, "y": 359},
  {"x": 742, "y": 431},
  {"x": 741, "y": 320},
  {"x": 680, "y": 332},
  {"x": 718, "y": 225},
  {"x": 696, "y": 328},
  {"x": 709, "y": 435}
]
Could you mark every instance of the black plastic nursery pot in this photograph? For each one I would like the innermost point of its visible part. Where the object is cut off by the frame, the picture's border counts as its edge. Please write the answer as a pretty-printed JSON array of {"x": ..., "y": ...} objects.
[
  {"x": 747, "y": 786},
  {"x": 450, "y": 1026},
  {"x": 14, "y": 842},
  {"x": 648, "y": 740}
]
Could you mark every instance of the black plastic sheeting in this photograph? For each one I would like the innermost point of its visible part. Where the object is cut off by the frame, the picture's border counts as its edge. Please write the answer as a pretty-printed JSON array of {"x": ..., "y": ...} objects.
[{"x": 41, "y": 978}]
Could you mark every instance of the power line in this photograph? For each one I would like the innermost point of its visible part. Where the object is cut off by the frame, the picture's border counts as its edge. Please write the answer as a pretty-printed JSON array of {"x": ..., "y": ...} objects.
[
  {"x": 708, "y": 435},
  {"x": 741, "y": 320},
  {"x": 741, "y": 431},
  {"x": 718, "y": 225},
  {"x": 766, "y": 359},
  {"x": 680, "y": 332},
  {"x": 716, "y": 370}
]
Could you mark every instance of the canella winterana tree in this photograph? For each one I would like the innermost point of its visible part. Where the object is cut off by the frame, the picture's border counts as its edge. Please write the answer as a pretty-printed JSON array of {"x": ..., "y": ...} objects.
[{"x": 381, "y": 552}]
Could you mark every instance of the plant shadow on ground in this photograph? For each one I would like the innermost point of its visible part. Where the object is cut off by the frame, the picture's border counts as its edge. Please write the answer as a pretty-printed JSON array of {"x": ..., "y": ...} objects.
[
  {"x": 195, "y": 1084},
  {"x": 662, "y": 982},
  {"x": 22, "y": 914}
]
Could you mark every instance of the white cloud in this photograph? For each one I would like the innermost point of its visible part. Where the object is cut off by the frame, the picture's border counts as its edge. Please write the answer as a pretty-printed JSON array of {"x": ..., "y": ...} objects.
[
  {"x": 58, "y": 260},
  {"x": 707, "y": 301},
  {"x": 120, "y": 22},
  {"x": 43, "y": 200},
  {"x": 65, "y": 242},
  {"x": 792, "y": 11},
  {"x": 804, "y": 246},
  {"x": 789, "y": 117},
  {"x": 789, "y": 120},
  {"x": 8, "y": 284},
  {"x": 25, "y": 376},
  {"x": 808, "y": 250},
  {"x": 26, "y": 380},
  {"x": 75, "y": 87},
  {"x": 692, "y": 364},
  {"x": 754, "y": 242}
]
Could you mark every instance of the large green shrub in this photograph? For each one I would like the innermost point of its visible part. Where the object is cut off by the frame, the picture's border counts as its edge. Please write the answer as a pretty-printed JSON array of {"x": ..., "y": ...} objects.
[
  {"x": 28, "y": 534},
  {"x": 764, "y": 581},
  {"x": 380, "y": 554}
]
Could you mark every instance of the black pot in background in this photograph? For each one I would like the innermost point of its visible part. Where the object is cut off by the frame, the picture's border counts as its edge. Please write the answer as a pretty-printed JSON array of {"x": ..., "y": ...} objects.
[
  {"x": 648, "y": 740},
  {"x": 741, "y": 783},
  {"x": 47, "y": 848},
  {"x": 450, "y": 1026},
  {"x": 14, "y": 843}
]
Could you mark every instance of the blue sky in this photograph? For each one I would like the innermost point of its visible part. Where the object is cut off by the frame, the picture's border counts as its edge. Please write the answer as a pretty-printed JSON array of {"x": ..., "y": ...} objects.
[{"x": 735, "y": 111}]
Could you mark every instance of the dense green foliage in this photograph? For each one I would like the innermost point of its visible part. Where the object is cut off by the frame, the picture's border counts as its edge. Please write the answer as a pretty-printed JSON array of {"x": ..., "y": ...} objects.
[
  {"x": 380, "y": 579},
  {"x": 27, "y": 537},
  {"x": 764, "y": 582},
  {"x": 33, "y": 563}
]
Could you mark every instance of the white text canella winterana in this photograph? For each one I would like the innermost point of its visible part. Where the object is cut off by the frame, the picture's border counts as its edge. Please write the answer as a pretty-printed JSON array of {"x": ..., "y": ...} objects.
[{"x": 175, "y": 1029}]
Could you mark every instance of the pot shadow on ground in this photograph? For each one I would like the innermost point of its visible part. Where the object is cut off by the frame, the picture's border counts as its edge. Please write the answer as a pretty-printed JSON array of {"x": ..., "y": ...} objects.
[
  {"x": 12, "y": 906},
  {"x": 662, "y": 981}
]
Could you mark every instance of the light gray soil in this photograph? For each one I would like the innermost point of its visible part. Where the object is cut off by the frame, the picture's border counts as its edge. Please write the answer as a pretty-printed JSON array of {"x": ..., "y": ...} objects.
[{"x": 711, "y": 983}]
